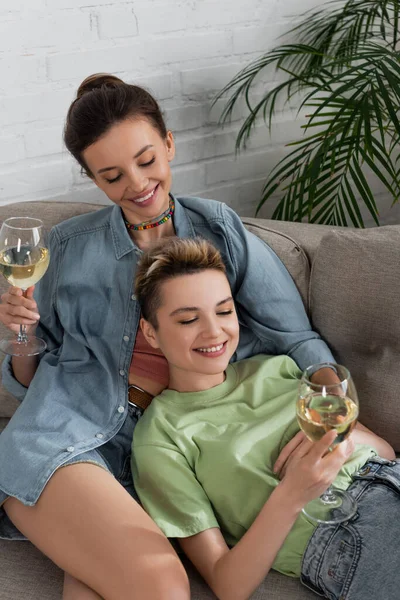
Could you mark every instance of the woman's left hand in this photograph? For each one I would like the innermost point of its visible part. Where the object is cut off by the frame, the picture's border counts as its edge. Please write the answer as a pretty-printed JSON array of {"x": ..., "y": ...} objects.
[{"x": 298, "y": 446}]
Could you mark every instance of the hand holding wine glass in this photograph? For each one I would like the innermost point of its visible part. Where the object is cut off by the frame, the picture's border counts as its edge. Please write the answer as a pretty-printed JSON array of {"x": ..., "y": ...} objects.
[
  {"x": 24, "y": 258},
  {"x": 321, "y": 408},
  {"x": 19, "y": 308}
]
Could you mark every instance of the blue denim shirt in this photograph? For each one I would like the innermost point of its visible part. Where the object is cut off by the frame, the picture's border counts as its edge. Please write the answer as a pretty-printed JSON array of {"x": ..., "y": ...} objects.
[{"x": 77, "y": 400}]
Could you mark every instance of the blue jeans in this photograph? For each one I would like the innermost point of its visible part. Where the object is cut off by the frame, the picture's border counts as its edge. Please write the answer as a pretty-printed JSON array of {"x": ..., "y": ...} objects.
[{"x": 360, "y": 559}]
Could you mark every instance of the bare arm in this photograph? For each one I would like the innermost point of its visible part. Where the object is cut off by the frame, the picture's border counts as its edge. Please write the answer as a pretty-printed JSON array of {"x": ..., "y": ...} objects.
[
  {"x": 235, "y": 573},
  {"x": 363, "y": 435}
]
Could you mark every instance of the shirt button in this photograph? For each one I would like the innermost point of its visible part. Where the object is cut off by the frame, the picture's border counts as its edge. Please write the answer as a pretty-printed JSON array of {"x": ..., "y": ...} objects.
[
  {"x": 133, "y": 297},
  {"x": 70, "y": 448},
  {"x": 126, "y": 338},
  {"x": 122, "y": 373},
  {"x": 99, "y": 436},
  {"x": 121, "y": 409}
]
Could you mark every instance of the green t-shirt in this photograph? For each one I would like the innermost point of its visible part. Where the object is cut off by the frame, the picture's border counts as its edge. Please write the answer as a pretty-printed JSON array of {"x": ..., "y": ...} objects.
[{"x": 205, "y": 459}]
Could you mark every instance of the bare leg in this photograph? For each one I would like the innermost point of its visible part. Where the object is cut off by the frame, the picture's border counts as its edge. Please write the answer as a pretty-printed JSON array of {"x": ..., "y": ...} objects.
[
  {"x": 76, "y": 590},
  {"x": 91, "y": 528}
]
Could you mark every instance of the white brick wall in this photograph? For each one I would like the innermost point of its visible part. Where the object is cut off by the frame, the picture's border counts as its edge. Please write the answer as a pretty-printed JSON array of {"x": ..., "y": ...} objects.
[{"x": 182, "y": 50}]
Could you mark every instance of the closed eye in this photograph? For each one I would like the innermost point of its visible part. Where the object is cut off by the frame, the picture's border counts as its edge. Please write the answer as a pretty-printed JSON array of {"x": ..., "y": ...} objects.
[
  {"x": 225, "y": 313},
  {"x": 188, "y": 321},
  {"x": 117, "y": 178},
  {"x": 149, "y": 163}
]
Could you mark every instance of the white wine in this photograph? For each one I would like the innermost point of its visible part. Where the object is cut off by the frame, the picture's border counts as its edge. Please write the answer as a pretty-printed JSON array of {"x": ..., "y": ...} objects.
[
  {"x": 319, "y": 414},
  {"x": 23, "y": 266}
]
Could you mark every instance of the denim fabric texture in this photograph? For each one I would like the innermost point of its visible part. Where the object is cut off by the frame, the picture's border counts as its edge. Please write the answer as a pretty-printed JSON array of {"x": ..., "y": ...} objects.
[
  {"x": 114, "y": 457},
  {"x": 360, "y": 559},
  {"x": 77, "y": 400}
]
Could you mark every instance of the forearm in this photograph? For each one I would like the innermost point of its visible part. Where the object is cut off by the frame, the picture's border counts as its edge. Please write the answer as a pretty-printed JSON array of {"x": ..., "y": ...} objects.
[
  {"x": 325, "y": 376},
  {"x": 362, "y": 435},
  {"x": 24, "y": 368},
  {"x": 238, "y": 572}
]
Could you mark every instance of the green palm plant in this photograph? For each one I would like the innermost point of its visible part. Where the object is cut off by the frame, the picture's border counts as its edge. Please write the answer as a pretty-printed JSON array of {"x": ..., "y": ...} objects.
[{"x": 345, "y": 67}]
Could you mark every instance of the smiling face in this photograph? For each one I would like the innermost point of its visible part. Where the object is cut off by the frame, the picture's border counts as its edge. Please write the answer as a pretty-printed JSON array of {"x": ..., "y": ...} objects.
[
  {"x": 197, "y": 329},
  {"x": 130, "y": 163}
]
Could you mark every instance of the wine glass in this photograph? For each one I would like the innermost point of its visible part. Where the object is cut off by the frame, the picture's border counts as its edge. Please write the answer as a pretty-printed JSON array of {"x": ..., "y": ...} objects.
[
  {"x": 321, "y": 408},
  {"x": 24, "y": 258}
]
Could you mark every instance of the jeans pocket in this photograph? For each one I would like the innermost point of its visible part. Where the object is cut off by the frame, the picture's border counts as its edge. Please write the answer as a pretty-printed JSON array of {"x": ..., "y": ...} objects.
[
  {"x": 341, "y": 562},
  {"x": 126, "y": 476}
]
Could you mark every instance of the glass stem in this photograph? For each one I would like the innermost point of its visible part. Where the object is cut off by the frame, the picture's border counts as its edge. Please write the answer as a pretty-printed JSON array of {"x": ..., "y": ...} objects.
[
  {"x": 328, "y": 497},
  {"x": 22, "y": 337}
]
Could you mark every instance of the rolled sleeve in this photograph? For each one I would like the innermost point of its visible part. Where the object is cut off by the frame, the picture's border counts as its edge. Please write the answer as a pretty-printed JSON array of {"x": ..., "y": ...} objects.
[
  {"x": 170, "y": 492},
  {"x": 268, "y": 301},
  {"x": 11, "y": 384}
]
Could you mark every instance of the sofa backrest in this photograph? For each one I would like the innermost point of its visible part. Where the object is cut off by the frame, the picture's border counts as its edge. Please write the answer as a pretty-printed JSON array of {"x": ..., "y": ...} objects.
[{"x": 349, "y": 285}]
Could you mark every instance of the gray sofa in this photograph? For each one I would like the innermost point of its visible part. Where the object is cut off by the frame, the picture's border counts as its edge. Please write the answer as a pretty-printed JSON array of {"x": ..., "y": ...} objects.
[{"x": 349, "y": 282}]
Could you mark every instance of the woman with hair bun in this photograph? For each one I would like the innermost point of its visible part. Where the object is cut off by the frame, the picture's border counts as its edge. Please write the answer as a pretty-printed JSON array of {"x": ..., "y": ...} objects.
[{"x": 81, "y": 401}]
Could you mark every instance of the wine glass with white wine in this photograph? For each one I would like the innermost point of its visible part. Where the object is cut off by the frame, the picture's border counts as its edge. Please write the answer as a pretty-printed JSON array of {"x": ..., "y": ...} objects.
[
  {"x": 321, "y": 408},
  {"x": 24, "y": 258}
]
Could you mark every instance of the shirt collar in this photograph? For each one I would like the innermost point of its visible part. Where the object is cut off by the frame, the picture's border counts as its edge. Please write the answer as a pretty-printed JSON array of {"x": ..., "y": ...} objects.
[
  {"x": 122, "y": 241},
  {"x": 182, "y": 224}
]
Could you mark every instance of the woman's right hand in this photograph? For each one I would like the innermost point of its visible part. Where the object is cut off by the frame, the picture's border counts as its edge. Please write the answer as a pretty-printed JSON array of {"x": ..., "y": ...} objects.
[
  {"x": 312, "y": 470},
  {"x": 17, "y": 309}
]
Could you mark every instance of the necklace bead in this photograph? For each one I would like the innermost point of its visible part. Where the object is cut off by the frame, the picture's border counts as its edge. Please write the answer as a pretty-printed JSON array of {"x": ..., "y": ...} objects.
[{"x": 163, "y": 218}]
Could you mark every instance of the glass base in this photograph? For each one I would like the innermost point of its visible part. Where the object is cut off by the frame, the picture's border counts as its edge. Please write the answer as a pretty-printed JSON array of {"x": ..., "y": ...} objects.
[
  {"x": 330, "y": 509},
  {"x": 31, "y": 347}
]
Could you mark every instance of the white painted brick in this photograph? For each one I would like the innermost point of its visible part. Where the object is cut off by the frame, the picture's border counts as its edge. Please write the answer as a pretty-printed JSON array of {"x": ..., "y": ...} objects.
[
  {"x": 39, "y": 30},
  {"x": 200, "y": 81},
  {"x": 44, "y": 142},
  {"x": 18, "y": 5},
  {"x": 78, "y": 65},
  {"x": 186, "y": 117},
  {"x": 245, "y": 165},
  {"x": 210, "y": 13},
  {"x": 188, "y": 179},
  {"x": 240, "y": 110},
  {"x": 11, "y": 149},
  {"x": 27, "y": 180},
  {"x": 292, "y": 10},
  {"x": 78, "y": 178},
  {"x": 35, "y": 107},
  {"x": 224, "y": 193},
  {"x": 89, "y": 194},
  {"x": 183, "y": 51},
  {"x": 55, "y": 4},
  {"x": 187, "y": 47},
  {"x": 115, "y": 22},
  {"x": 160, "y": 17},
  {"x": 195, "y": 148},
  {"x": 18, "y": 71},
  {"x": 159, "y": 85},
  {"x": 257, "y": 39}
]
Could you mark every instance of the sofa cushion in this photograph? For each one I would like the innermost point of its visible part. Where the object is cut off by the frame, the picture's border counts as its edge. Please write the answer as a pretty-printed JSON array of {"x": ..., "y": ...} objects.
[
  {"x": 354, "y": 303},
  {"x": 289, "y": 251},
  {"x": 26, "y": 573}
]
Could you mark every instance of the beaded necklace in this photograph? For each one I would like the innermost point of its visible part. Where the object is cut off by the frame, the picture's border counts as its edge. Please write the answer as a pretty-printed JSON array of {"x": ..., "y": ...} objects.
[{"x": 163, "y": 218}]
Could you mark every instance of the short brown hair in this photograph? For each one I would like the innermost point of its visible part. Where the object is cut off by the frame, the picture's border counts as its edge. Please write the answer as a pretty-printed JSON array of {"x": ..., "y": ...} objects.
[
  {"x": 103, "y": 100},
  {"x": 171, "y": 258}
]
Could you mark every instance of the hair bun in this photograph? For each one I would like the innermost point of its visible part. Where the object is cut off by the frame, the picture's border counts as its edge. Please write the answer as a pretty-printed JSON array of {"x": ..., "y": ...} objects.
[{"x": 98, "y": 81}]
